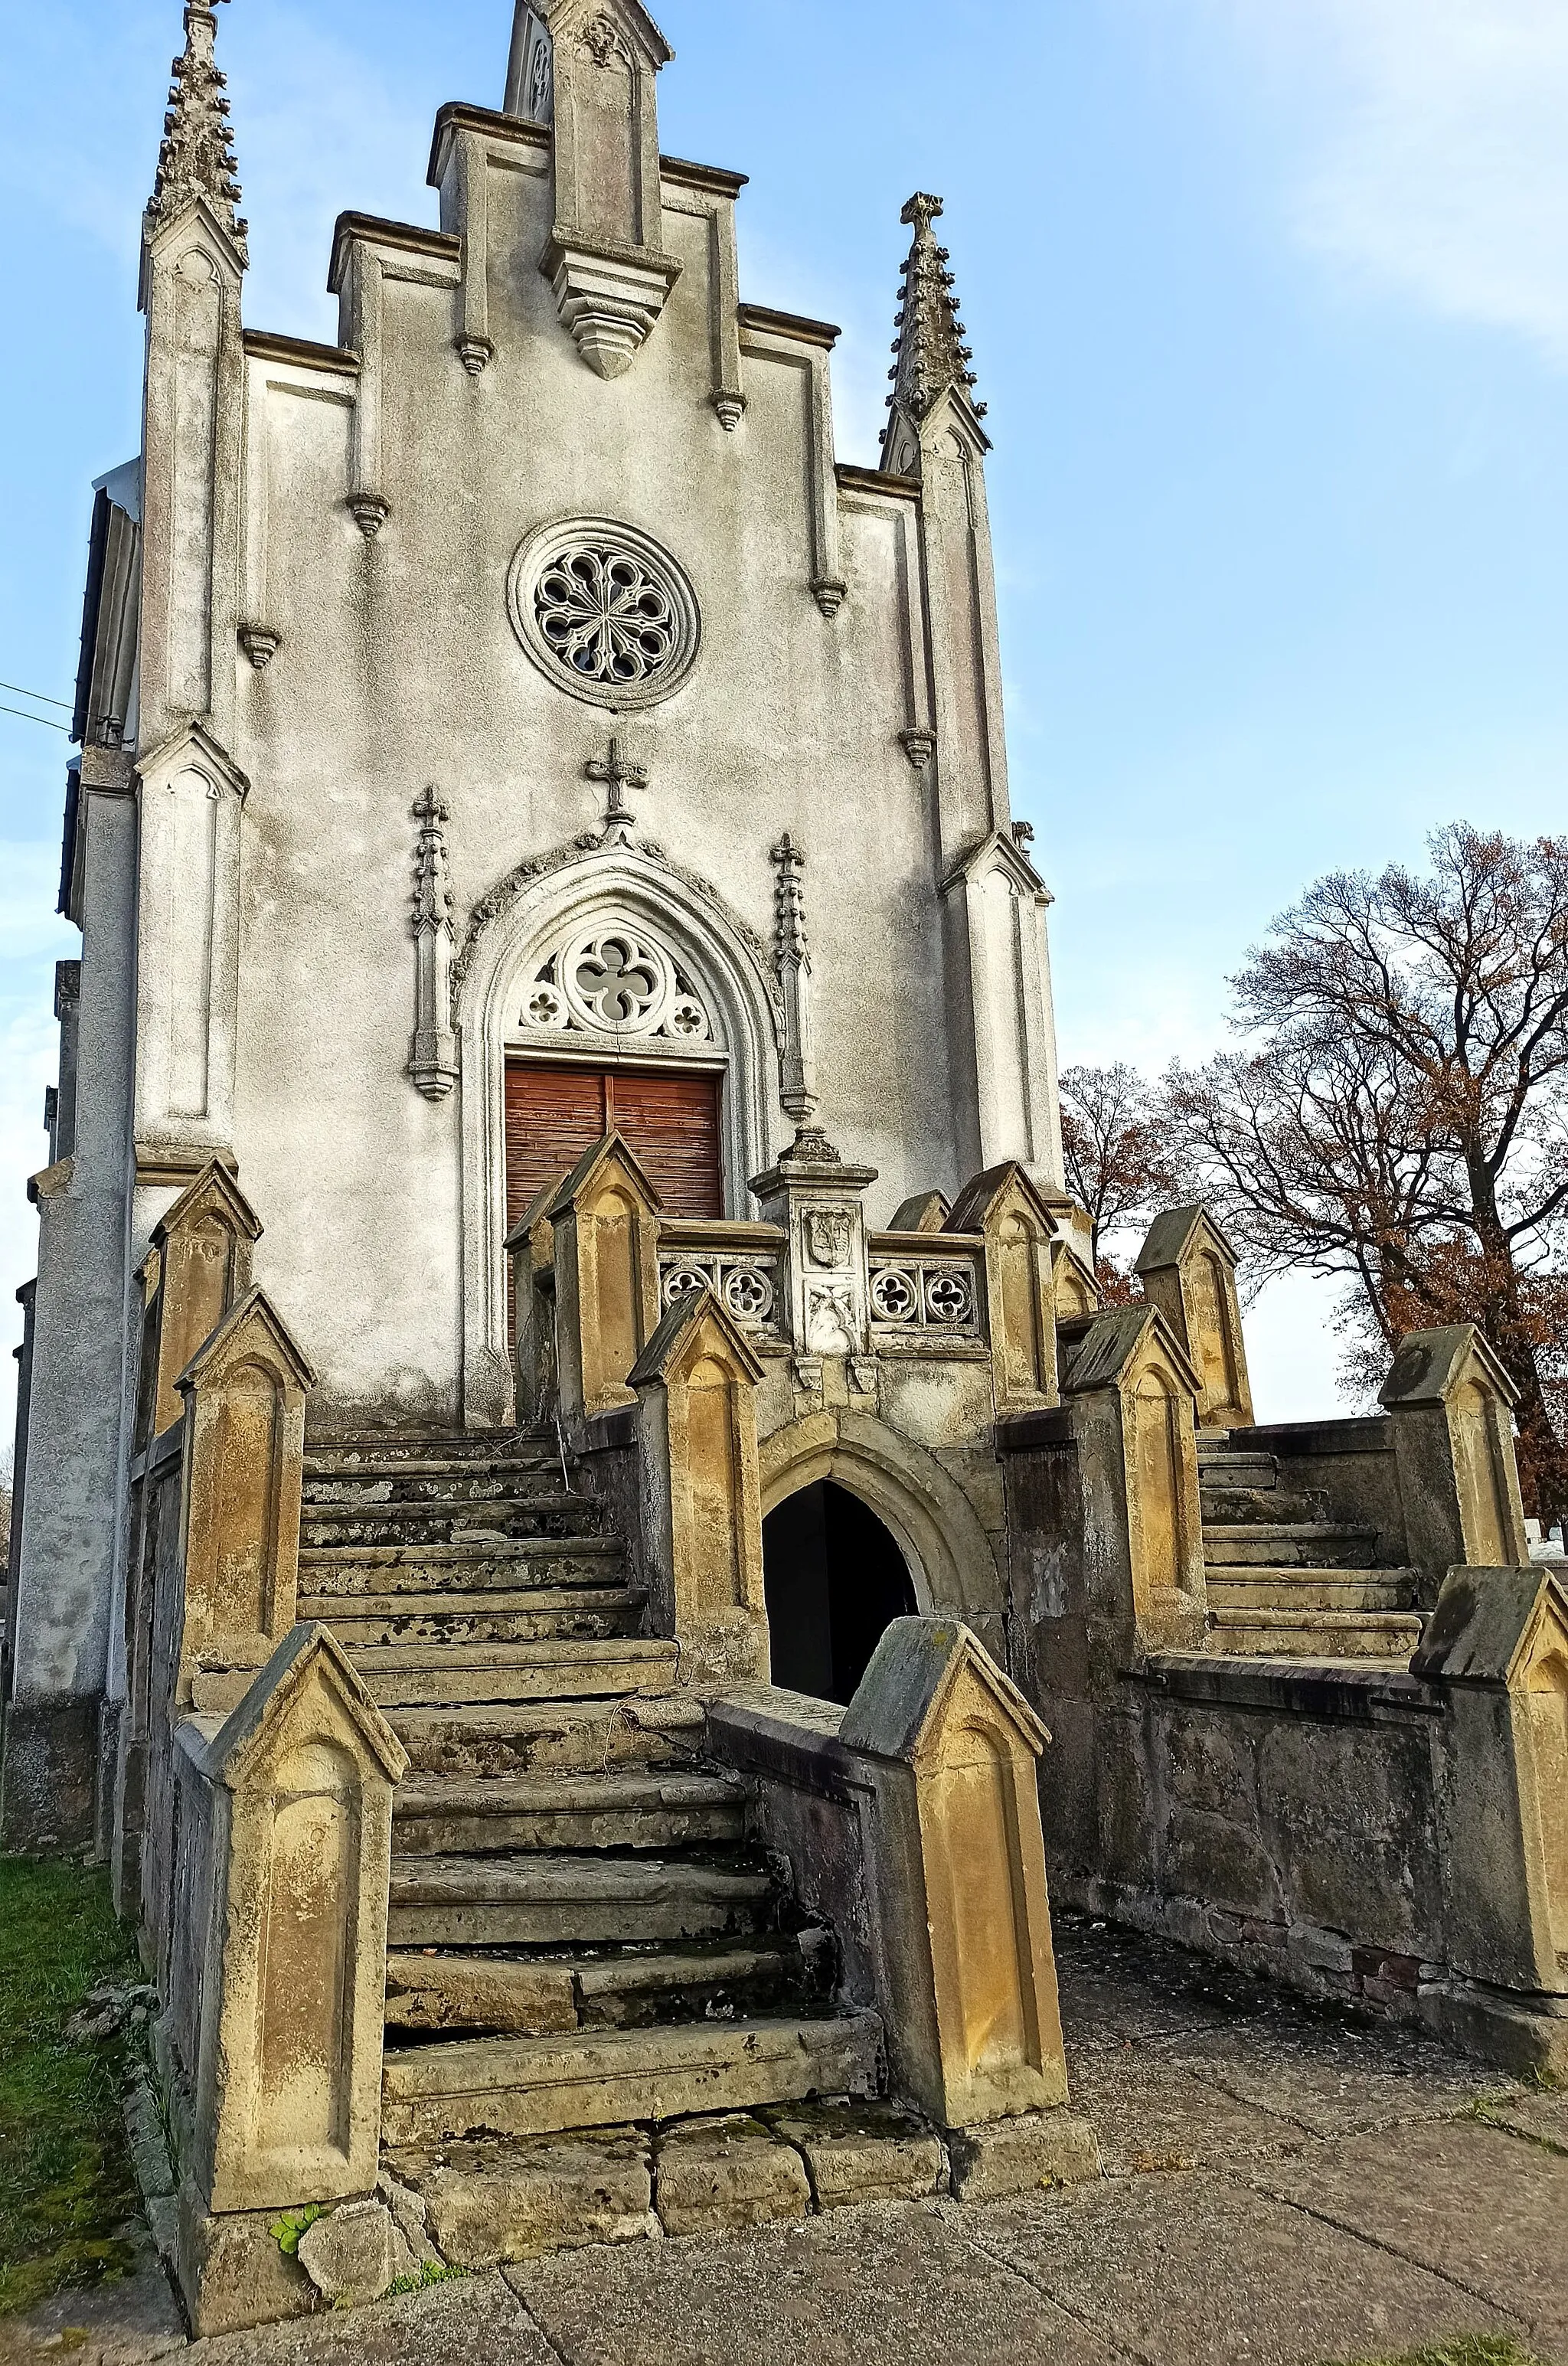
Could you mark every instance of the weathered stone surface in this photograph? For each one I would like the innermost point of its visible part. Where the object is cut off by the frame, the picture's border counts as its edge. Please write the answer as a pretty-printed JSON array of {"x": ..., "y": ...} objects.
[
  {"x": 1004, "y": 2157},
  {"x": 1149, "y": 2113},
  {"x": 1203, "y": 2272},
  {"x": 862, "y": 2152},
  {"x": 1444, "y": 2191},
  {"x": 487, "y": 2203},
  {"x": 478, "y": 1992},
  {"x": 475, "y": 2321},
  {"x": 730, "y": 2171},
  {"x": 232, "y": 2271},
  {"x": 525, "y": 2086},
  {"x": 898, "y": 2285},
  {"x": 353, "y": 2253}
]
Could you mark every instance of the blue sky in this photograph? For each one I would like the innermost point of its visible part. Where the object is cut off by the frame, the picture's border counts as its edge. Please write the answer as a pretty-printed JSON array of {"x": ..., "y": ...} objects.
[{"x": 1269, "y": 299}]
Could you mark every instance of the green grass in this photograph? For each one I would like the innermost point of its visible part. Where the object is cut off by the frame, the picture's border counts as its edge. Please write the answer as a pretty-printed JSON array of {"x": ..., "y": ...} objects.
[
  {"x": 67, "y": 2183},
  {"x": 1468, "y": 2349}
]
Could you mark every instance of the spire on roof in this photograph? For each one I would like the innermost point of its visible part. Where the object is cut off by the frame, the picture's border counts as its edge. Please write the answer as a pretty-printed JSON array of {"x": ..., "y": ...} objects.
[
  {"x": 930, "y": 356},
  {"x": 196, "y": 159}
]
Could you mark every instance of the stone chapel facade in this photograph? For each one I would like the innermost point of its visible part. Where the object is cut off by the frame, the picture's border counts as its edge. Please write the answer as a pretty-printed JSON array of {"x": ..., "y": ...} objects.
[{"x": 567, "y": 1431}]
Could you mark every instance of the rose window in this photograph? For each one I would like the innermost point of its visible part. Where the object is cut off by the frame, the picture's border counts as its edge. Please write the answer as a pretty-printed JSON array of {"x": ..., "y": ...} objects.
[
  {"x": 604, "y": 612},
  {"x": 605, "y": 617}
]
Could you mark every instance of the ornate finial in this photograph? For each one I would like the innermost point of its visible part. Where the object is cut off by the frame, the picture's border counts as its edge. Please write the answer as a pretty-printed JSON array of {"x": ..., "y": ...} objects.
[
  {"x": 432, "y": 894},
  {"x": 931, "y": 358},
  {"x": 196, "y": 159},
  {"x": 790, "y": 942}
]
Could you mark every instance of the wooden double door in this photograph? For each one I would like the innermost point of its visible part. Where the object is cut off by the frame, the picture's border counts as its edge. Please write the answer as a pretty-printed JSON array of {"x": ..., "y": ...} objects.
[{"x": 669, "y": 1117}]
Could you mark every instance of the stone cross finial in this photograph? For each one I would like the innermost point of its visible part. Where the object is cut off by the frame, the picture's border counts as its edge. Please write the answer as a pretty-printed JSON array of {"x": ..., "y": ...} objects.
[
  {"x": 931, "y": 358},
  {"x": 197, "y": 158},
  {"x": 614, "y": 772}
]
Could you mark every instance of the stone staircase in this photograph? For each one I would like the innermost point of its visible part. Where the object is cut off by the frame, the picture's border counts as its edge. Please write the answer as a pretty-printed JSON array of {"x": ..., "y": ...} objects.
[
  {"x": 1283, "y": 1582},
  {"x": 580, "y": 1936}
]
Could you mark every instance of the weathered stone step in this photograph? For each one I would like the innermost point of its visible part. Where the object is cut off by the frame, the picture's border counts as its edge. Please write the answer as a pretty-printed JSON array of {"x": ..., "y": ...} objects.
[
  {"x": 1315, "y": 1634},
  {"x": 553, "y": 1736},
  {"x": 437, "y": 1483},
  {"x": 527, "y": 1901},
  {"x": 483, "y": 1521},
  {"x": 401, "y": 1620},
  {"x": 434, "y": 1814},
  {"x": 536, "y": 2086},
  {"x": 432, "y": 1993},
  {"x": 386, "y": 1569},
  {"x": 449, "y": 1674},
  {"x": 1284, "y": 1544},
  {"x": 1220, "y": 1466},
  {"x": 387, "y": 1449},
  {"x": 1306, "y": 1590}
]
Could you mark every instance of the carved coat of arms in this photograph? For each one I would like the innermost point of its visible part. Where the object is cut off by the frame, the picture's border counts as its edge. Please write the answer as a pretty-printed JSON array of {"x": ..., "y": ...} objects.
[{"x": 828, "y": 1232}]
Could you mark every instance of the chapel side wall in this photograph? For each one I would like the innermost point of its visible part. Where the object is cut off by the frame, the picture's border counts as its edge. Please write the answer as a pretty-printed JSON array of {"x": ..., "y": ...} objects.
[
  {"x": 69, "y": 1552},
  {"x": 398, "y": 667}
]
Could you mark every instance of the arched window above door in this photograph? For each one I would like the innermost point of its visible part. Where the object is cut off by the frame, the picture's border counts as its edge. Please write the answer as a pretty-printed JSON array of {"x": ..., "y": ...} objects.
[{"x": 615, "y": 978}]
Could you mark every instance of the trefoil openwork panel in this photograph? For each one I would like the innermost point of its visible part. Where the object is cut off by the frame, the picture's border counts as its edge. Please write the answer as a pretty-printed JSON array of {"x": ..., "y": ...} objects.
[
  {"x": 616, "y": 979},
  {"x": 604, "y": 612}
]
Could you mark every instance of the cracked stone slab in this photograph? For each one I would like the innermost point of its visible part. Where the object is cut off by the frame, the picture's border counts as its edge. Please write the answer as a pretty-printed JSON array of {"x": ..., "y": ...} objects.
[
  {"x": 891, "y": 2284},
  {"x": 1459, "y": 2197},
  {"x": 1203, "y": 2271},
  {"x": 1151, "y": 2114},
  {"x": 470, "y": 2323},
  {"x": 1338, "y": 2080},
  {"x": 1541, "y": 2117}
]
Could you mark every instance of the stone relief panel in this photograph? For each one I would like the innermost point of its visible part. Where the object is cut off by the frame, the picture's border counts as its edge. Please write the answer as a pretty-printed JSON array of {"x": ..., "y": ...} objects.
[{"x": 604, "y": 612}]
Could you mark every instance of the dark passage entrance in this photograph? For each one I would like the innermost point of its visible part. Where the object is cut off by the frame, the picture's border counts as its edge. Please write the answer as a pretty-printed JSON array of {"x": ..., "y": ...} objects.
[{"x": 834, "y": 1578}]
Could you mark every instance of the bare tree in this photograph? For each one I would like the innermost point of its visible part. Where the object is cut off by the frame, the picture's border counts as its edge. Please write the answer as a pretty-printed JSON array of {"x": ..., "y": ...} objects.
[
  {"x": 1118, "y": 1166},
  {"x": 1401, "y": 1115}
]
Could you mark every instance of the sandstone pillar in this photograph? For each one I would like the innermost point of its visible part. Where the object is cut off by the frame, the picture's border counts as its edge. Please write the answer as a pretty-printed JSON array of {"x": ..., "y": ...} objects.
[
  {"x": 1131, "y": 1393},
  {"x": 1004, "y": 1206},
  {"x": 974, "y": 2028},
  {"x": 1450, "y": 1401},
  {"x": 605, "y": 1219},
  {"x": 199, "y": 1268},
  {"x": 695, "y": 1382},
  {"x": 245, "y": 1393},
  {"x": 1497, "y": 1647},
  {"x": 1187, "y": 1270},
  {"x": 273, "y": 2014}
]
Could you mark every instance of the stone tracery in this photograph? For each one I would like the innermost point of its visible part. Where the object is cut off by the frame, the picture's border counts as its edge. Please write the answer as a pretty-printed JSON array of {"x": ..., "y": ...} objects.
[{"x": 615, "y": 978}]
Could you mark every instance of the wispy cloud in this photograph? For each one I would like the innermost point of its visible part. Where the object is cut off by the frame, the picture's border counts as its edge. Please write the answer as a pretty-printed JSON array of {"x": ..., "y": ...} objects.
[{"x": 1438, "y": 154}]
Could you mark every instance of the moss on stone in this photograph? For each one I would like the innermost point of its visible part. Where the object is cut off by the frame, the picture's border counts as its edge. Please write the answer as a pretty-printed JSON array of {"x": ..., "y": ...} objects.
[
  {"x": 66, "y": 2184},
  {"x": 1468, "y": 2349}
]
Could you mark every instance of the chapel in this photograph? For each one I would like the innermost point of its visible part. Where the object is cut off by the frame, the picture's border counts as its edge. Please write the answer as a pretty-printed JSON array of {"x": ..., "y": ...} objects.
[{"x": 584, "y": 1537}]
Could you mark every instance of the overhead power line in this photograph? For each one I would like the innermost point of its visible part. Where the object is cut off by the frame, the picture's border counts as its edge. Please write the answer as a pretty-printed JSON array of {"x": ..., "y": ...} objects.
[
  {"x": 43, "y": 697},
  {"x": 47, "y": 720}
]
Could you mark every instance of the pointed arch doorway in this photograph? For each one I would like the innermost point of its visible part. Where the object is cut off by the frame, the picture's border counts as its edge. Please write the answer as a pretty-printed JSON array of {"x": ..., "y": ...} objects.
[{"x": 835, "y": 1577}]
